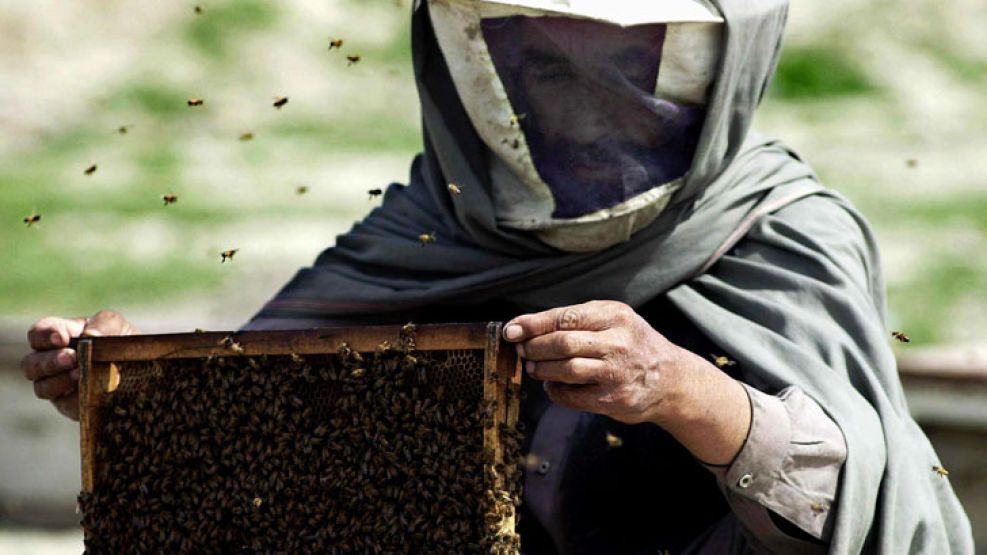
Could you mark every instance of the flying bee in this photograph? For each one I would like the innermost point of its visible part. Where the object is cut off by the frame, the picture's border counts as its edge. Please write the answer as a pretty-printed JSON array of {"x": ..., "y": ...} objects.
[
  {"x": 940, "y": 471},
  {"x": 32, "y": 219},
  {"x": 614, "y": 441},
  {"x": 280, "y": 101},
  {"x": 90, "y": 170},
  {"x": 197, "y": 9},
  {"x": 228, "y": 255},
  {"x": 301, "y": 190},
  {"x": 817, "y": 507},
  {"x": 169, "y": 199},
  {"x": 352, "y": 59},
  {"x": 911, "y": 163},
  {"x": 374, "y": 193},
  {"x": 247, "y": 136},
  {"x": 901, "y": 337},
  {"x": 516, "y": 119},
  {"x": 427, "y": 238},
  {"x": 335, "y": 43},
  {"x": 722, "y": 361},
  {"x": 455, "y": 189},
  {"x": 123, "y": 129},
  {"x": 195, "y": 102}
]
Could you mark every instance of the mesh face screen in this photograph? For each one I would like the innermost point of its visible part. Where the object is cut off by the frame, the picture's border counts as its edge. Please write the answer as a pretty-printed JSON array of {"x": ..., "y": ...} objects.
[{"x": 584, "y": 96}]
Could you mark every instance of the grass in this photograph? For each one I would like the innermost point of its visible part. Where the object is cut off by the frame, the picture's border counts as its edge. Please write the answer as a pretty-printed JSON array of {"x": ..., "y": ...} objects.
[{"x": 818, "y": 72}]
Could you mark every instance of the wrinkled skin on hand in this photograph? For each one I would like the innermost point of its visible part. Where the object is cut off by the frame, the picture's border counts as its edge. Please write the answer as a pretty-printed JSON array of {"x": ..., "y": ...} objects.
[
  {"x": 600, "y": 357},
  {"x": 53, "y": 366}
]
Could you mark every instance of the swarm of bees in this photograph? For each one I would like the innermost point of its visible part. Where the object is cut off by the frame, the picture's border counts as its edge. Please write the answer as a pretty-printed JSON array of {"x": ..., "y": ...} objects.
[
  {"x": 722, "y": 361},
  {"x": 169, "y": 199},
  {"x": 32, "y": 219},
  {"x": 350, "y": 453},
  {"x": 426, "y": 238},
  {"x": 90, "y": 170},
  {"x": 901, "y": 337},
  {"x": 195, "y": 102},
  {"x": 280, "y": 101},
  {"x": 228, "y": 255}
]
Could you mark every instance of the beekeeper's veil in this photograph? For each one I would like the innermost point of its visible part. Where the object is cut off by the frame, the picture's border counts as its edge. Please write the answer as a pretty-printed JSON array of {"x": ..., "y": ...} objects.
[{"x": 592, "y": 110}]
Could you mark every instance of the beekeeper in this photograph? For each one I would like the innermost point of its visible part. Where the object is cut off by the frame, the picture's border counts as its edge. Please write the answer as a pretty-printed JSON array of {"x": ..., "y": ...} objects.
[{"x": 702, "y": 321}]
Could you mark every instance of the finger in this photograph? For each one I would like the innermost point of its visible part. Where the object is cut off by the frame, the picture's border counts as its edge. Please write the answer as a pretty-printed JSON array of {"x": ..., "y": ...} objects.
[
  {"x": 55, "y": 387},
  {"x": 68, "y": 405},
  {"x": 44, "y": 364},
  {"x": 108, "y": 322},
  {"x": 577, "y": 371},
  {"x": 54, "y": 332},
  {"x": 565, "y": 344},
  {"x": 591, "y": 316},
  {"x": 584, "y": 398}
]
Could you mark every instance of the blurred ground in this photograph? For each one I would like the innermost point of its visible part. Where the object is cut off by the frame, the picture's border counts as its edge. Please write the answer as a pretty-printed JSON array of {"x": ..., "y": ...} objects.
[{"x": 886, "y": 100}]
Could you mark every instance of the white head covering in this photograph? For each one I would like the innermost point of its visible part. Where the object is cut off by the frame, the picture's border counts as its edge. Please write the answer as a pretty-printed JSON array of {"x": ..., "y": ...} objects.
[{"x": 526, "y": 196}]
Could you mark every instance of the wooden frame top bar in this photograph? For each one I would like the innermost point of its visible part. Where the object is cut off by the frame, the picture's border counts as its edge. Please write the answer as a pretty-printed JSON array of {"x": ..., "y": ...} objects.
[{"x": 428, "y": 337}]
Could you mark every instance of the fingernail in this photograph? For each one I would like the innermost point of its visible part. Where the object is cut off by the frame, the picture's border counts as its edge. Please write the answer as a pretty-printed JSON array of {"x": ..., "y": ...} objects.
[
  {"x": 74, "y": 374},
  {"x": 513, "y": 332},
  {"x": 530, "y": 367},
  {"x": 66, "y": 358},
  {"x": 56, "y": 339}
]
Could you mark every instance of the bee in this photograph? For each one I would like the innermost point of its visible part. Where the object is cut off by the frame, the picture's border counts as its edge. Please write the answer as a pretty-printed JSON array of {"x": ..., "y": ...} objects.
[
  {"x": 722, "y": 361},
  {"x": 195, "y": 102},
  {"x": 247, "y": 136},
  {"x": 516, "y": 119},
  {"x": 197, "y": 9},
  {"x": 231, "y": 344},
  {"x": 901, "y": 337},
  {"x": 258, "y": 502},
  {"x": 515, "y": 144},
  {"x": 301, "y": 190},
  {"x": 335, "y": 43},
  {"x": 614, "y": 441},
  {"x": 32, "y": 219},
  {"x": 357, "y": 373},
  {"x": 940, "y": 471},
  {"x": 90, "y": 170},
  {"x": 427, "y": 238},
  {"x": 455, "y": 189},
  {"x": 228, "y": 255},
  {"x": 352, "y": 59},
  {"x": 374, "y": 193},
  {"x": 199, "y": 330},
  {"x": 280, "y": 101},
  {"x": 817, "y": 508},
  {"x": 911, "y": 163},
  {"x": 123, "y": 129},
  {"x": 169, "y": 199}
]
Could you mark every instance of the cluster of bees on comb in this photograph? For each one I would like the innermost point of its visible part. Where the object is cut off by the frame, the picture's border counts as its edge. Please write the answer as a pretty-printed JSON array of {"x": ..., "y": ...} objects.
[{"x": 349, "y": 453}]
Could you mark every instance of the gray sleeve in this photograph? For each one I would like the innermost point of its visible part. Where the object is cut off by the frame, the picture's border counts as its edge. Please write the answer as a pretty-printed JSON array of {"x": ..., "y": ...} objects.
[{"x": 789, "y": 466}]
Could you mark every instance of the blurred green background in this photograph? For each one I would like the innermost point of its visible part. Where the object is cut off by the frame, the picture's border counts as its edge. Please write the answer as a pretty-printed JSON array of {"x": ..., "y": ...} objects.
[{"x": 885, "y": 100}]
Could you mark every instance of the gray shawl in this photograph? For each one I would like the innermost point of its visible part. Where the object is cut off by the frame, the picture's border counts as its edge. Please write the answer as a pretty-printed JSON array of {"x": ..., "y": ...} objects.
[{"x": 779, "y": 271}]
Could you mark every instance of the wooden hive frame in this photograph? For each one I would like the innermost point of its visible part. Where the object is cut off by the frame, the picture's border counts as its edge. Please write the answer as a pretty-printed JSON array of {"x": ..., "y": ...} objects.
[{"x": 100, "y": 361}]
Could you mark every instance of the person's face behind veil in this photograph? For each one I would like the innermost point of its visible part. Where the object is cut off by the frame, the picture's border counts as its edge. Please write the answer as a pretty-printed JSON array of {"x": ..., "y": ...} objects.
[{"x": 583, "y": 92}]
